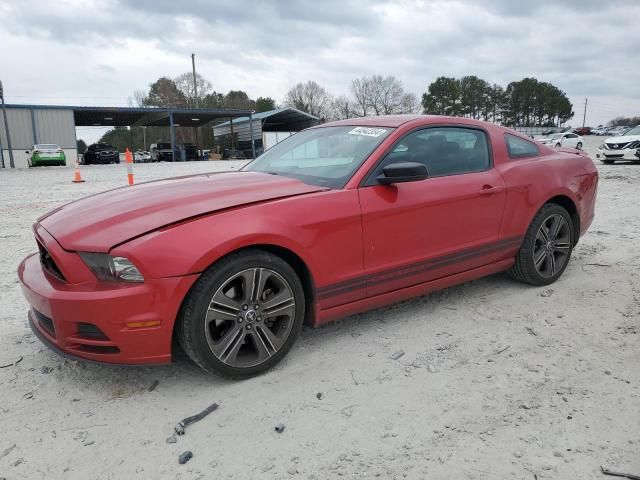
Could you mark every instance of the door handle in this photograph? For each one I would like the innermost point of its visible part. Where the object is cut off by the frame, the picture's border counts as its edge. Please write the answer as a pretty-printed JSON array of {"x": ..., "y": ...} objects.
[{"x": 490, "y": 190}]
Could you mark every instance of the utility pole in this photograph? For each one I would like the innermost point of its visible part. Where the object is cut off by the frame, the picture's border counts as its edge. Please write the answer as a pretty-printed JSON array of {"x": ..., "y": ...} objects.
[
  {"x": 195, "y": 94},
  {"x": 6, "y": 127},
  {"x": 195, "y": 86},
  {"x": 584, "y": 116}
]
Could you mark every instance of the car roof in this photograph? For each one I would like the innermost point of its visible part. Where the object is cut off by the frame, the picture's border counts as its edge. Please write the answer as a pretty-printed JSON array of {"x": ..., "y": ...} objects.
[
  {"x": 394, "y": 121},
  {"x": 381, "y": 121}
]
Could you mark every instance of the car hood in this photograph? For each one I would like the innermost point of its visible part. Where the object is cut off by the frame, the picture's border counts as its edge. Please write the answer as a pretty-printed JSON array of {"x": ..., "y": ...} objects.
[
  {"x": 623, "y": 139},
  {"x": 100, "y": 222}
]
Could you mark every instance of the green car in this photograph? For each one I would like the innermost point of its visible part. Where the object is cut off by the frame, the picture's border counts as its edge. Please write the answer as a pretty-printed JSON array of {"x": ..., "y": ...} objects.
[{"x": 46, "y": 154}]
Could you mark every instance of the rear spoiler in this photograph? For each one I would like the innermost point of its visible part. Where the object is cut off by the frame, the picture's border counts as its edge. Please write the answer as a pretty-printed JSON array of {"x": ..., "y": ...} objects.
[{"x": 573, "y": 151}]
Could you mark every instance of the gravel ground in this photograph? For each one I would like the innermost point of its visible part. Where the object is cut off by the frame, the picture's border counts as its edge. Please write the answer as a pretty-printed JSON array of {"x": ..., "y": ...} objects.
[{"x": 497, "y": 380}]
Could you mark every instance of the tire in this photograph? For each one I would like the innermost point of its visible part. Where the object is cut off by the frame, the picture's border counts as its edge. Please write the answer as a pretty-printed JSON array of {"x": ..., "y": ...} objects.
[
  {"x": 222, "y": 331},
  {"x": 608, "y": 162},
  {"x": 579, "y": 146},
  {"x": 550, "y": 249}
]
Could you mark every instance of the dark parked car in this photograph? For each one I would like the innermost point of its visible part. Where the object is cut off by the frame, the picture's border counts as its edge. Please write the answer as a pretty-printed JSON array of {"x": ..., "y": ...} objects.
[
  {"x": 190, "y": 151},
  {"x": 233, "y": 155},
  {"x": 101, "y": 153}
]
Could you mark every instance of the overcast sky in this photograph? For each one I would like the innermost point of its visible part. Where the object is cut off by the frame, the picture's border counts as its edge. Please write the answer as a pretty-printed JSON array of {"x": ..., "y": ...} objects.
[{"x": 99, "y": 52}]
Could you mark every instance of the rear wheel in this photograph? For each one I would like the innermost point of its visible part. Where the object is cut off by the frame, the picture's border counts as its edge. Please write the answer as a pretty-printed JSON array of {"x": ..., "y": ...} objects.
[
  {"x": 243, "y": 315},
  {"x": 546, "y": 248}
]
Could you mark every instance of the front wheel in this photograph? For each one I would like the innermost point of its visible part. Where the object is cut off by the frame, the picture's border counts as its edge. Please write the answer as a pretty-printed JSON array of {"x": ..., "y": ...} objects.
[
  {"x": 243, "y": 315},
  {"x": 546, "y": 248}
]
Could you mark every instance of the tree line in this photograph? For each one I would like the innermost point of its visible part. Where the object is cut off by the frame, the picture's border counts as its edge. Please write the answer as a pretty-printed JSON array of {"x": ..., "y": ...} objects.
[
  {"x": 179, "y": 92},
  {"x": 525, "y": 102},
  {"x": 521, "y": 103}
]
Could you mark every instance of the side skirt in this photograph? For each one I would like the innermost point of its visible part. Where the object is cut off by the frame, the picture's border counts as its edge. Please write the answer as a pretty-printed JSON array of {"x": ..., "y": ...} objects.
[{"x": 370, "y": 303}]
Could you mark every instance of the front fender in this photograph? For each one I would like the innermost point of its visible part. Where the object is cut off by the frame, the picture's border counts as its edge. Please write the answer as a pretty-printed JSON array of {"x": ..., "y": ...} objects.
[{"x": 323, "y": 229}]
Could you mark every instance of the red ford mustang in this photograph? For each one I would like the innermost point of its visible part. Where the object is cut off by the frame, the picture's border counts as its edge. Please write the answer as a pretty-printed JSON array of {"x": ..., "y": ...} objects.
[{"x": 337, "y": 219}]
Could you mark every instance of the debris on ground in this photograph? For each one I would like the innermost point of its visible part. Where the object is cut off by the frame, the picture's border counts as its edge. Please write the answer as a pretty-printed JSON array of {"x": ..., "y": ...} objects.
[
  {"x": 397, "y": 354},
  {"x": 7, "y": 451},
  {"x": 319, "y": 395},
  {"x": 185, "y": 457},
  {"x": 28, "y": 395},
  {"x": 503, "y": 349},
  {"x": 13, "y": 363},
  {"x": 172, "y": 439},
  {"x": 46, "y": 370},
  {"x": 153, "y": 386},
  {"x": 280, "y": 428},
  {"x": 179, "y": 428},
  {"x": 606, "y": 471},
  {"x": 531, "y": 331}
]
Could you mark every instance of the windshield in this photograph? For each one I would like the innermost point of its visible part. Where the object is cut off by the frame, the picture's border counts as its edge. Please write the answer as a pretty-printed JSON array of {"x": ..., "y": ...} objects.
[
  {"x": 555, "y": 135},
  {"x": 634, "y": 131},
  {"x": 164, "y": 146},
  {"x": 47, "y": 146},
  {"x": 325, "y": 156}
]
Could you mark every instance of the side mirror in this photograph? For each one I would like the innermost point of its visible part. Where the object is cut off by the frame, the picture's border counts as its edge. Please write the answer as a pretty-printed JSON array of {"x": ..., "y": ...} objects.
[{"x": 402, "y": 172}]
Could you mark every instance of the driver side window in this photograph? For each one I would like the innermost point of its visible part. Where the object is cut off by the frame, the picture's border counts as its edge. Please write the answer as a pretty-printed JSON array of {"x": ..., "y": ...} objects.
[{"x": 443, "y": 150}]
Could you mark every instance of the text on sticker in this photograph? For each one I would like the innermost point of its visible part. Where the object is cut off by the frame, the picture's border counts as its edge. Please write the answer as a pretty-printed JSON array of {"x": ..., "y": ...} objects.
[{"x": 368, "y": 132}]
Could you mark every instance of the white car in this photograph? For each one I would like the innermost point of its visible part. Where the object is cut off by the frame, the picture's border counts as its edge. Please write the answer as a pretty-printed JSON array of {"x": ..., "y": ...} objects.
[
  {"x": 141, "y": 156},
  {"x": 566, "y": 139},
  {"x": 624, "y": 147}
]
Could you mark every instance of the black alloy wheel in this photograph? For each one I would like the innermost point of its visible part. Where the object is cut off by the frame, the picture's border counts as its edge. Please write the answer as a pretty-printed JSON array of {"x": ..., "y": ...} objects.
[
  {"x": 546, "y": 248},
  {"x": 243, "y": 314}
]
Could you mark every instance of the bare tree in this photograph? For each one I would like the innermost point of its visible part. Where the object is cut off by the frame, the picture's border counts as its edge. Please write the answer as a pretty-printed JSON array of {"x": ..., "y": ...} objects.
[
  {"x": 387, "y": 93},
  {"x": 361, "y": 89},
  {"x": 138, "y": 99},
  {"x": 380, "y": 95},
  {"x": 184, "y": 83},
  {"x": 410, "y": 104},
  {"x": 342, "y": 107},
  {"x": 311, "y": 98}
]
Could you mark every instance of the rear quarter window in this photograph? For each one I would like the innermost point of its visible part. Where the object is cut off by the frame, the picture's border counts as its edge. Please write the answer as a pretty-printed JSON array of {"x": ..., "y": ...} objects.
[{"x": 520, "y": 148}]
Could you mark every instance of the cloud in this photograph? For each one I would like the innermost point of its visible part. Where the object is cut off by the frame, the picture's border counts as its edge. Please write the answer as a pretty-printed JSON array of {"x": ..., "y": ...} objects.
[{"x": 104, "y": 50}]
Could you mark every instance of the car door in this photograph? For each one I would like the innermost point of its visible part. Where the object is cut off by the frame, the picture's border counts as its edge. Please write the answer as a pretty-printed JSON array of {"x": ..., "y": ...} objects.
[
  {"x": 570, "y": 140},
  {"x": 419, "y": 231}
]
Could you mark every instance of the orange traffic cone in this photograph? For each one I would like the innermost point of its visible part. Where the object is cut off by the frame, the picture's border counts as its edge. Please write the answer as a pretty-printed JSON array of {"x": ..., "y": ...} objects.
[
  {"x": 76, "y": 175},
  {"x": 128, "y": 158}
]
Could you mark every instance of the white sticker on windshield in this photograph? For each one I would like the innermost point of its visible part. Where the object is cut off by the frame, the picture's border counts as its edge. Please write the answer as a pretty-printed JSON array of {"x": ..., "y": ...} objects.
[{"x": 368, "y": 131}]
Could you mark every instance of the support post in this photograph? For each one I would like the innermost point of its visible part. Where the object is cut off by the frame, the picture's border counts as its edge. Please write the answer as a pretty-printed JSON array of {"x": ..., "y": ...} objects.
[
  {"x": 231, "y": 127},
  {"x": 172, "y": 132},
  {"x": 6, "y": 128},
  {"x": 253, "y": 144}
]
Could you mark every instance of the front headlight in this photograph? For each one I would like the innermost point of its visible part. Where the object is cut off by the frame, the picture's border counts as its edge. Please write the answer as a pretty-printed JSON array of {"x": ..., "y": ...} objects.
[{"x": 112, "y": 269}]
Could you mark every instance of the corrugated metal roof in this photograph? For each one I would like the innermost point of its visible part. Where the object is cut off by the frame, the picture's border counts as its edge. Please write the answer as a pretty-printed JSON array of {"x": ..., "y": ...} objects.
[{"x": 271, "y": 113}]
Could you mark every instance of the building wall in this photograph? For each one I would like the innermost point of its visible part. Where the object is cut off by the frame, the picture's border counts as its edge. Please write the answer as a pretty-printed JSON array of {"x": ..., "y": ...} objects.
[
  {"x": 20, "y": 129},
  {"x": 30, "y": 126},
  {"x": 55, "y": 126},
  {"x": 241, "y": 131}
]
